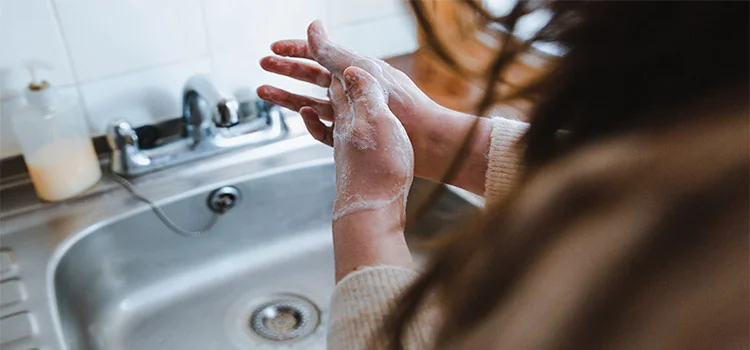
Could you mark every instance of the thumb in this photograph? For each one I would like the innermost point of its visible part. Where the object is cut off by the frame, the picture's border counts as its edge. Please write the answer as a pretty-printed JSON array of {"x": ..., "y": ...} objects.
[
  {"x": 324, "y": 51},
  {"x": 365, "y": 93}
]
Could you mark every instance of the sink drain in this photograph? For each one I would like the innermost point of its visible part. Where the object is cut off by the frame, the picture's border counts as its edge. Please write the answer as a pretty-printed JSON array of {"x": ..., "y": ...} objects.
[
  {"x": 285, "y": 319},
  {"x": 224, "y": 198}
]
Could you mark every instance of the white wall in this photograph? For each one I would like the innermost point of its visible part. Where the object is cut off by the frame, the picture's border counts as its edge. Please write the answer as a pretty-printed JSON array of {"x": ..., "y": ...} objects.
[{"x": 129, "y": 58}]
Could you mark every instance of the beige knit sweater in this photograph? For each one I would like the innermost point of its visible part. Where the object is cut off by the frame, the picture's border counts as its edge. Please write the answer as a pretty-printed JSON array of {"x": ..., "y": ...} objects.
[
  {"x": 363, "y": 298},
  {"x": 675, "y": 197}
]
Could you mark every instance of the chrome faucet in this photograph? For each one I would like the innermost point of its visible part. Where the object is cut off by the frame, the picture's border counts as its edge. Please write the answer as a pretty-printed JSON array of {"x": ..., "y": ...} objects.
[
  {"x": 213, "y": 122},
  {"x": 202, "y": 102}
]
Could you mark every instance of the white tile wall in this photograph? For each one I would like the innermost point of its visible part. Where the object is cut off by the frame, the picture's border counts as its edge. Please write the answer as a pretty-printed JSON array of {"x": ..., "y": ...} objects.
[
  {"x": 240, "y": 35},
  {"x": 129, "y": 58},
  {"x": 140, "y": 96},
  {"x": 384, "y": 37},
  {"x": 242, "y": 25},
  {"x": 29, "y": 33},
  {"x": 8, "y": 145},
  {"x": 107, "y": 38},
  {"x": 342, "y": 12}
]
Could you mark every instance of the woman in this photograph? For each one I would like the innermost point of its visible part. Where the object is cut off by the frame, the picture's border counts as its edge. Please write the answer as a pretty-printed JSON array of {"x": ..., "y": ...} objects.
[{"x": 618, "y": 217}]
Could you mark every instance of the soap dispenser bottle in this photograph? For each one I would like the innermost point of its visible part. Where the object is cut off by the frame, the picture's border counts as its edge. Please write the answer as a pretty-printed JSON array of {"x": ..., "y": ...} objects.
[{"x": 54, "y": 139}]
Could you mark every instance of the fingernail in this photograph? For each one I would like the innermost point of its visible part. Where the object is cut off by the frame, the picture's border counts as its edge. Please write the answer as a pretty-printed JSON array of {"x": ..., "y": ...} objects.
[{"x": 275, "y": 47}]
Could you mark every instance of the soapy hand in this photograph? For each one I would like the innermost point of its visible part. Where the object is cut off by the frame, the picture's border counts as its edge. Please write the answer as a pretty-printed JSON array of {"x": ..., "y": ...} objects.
[
  {"x": 374, "y": 158},
  {"x": 404, "y": 98},
  {"x": 372, "y": 106},
  {"x": 436, "y": 133}
]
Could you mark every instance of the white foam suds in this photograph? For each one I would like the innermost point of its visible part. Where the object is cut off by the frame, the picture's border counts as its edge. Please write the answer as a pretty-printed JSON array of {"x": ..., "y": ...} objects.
[
  {"x": 358, "y": 130},
  {"x": 379, "y": 144},
  {"x": 332, "y": 55}
]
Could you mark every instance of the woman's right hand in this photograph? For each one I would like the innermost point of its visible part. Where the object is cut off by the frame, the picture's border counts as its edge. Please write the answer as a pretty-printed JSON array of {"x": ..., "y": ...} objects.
[{"x": 436, "y": 133}]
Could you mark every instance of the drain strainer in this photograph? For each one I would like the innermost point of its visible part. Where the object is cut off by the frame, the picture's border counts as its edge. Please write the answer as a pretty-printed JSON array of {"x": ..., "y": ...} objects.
[{"x": 285, "y": 319}]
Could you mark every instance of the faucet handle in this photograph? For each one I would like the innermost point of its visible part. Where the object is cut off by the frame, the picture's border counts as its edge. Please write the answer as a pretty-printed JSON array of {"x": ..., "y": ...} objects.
[
  {"x": 227, "y": 113},
  {"x": 126, "y": 155},
  {"x": 121, "y": 135},
  {"x": 201, "y": 99}
]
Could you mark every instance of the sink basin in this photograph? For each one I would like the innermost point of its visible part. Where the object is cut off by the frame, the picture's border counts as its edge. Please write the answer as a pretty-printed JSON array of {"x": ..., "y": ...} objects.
[
  {"x": 134, "y": 284},
  {"x": 115, "y": 277}
]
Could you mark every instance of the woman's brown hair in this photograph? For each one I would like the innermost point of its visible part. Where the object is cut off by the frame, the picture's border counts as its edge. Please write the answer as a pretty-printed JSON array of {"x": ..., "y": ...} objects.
[{"x": 627, "y": 66}]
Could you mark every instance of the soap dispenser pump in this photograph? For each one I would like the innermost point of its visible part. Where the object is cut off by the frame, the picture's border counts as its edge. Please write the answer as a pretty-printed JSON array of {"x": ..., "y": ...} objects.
[{"x": 54, "y": 139}]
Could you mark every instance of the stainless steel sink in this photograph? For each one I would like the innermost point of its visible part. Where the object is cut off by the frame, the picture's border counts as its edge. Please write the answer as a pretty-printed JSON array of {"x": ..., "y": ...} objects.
[
  {"x": 133, "y": 284},
  {"x": 105, "y": 273}
]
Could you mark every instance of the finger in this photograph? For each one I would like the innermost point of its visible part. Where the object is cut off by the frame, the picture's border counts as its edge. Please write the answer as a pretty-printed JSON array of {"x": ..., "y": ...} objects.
[
  {"x": 292, "y": 48},
  {"x": 316, "y": 29},
  {"x": 306, "y": 72},
  {"x": 317, "y": 129},
  {"x": 295, "y": 102},
  {"x": 365, "y": 93},
  {"x": 340, "y": 102},
  {"x": 327, "y": 53}
]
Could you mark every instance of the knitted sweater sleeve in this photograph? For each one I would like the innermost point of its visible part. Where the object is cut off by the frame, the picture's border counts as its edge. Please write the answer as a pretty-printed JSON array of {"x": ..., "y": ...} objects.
[
  {"x": 363, "y": 298},
  {"x": 504, "y": 157}
]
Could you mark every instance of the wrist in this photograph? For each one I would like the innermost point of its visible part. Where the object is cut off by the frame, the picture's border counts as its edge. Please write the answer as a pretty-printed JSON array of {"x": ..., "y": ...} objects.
[
  {"x": 370, "y": 238},
  {"x": 429, "y": 132},
  {"x": 437, "y": 136}
]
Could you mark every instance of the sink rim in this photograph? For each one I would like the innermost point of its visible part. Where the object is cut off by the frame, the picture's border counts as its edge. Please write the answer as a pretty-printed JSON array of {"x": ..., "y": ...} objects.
[
  {"x": 42, "y": 247},
  {"x": 65, "y": 246},
  {"x": 69, "y": 242},
  {"x": 41, "y": 237}
]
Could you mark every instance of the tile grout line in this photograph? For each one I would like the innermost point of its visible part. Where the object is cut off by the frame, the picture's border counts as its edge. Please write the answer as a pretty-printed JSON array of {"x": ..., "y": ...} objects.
[
  {"x": 210, "y": 54},
  {"x": 209, "y": 48},
  {"x": 126, "y": 73},
  {"x": 71, "y": 66},
  {"x": 143, "y": 69}
]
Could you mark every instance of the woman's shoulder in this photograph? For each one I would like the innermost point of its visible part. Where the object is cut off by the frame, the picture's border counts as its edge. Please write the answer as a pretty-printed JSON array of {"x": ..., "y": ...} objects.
[{"x": 639, "y": 232}]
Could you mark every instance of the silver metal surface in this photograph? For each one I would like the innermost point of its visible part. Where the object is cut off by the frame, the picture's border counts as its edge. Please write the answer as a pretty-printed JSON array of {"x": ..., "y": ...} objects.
[
  {"x": 16, "y": 330},
  {"x": 203, "y": 102},
  {"x": 11, "y": 292},
  {"x": 223, "y": 199},
  {"x": 123, "y": 141},
  {"x": 131, "y": 161},
  {"x": 284, "y": 319},
  {"x": 213, "y": 125},
  {"x": 7, "y": 264},
  {"x": 103, "y": 272},
  {"x": 163, "y": 216}
]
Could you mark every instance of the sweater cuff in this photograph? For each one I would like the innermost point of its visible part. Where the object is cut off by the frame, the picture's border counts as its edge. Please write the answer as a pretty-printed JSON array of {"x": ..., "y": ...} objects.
[
  {"x": 504, "y": 157},
  {"x": 360, "y": 302}
]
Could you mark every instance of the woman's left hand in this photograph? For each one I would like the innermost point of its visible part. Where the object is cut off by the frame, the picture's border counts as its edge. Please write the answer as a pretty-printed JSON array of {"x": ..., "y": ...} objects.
[
  {"x": 374, "y": 171},
  {"x": 374, "y": 158}
]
